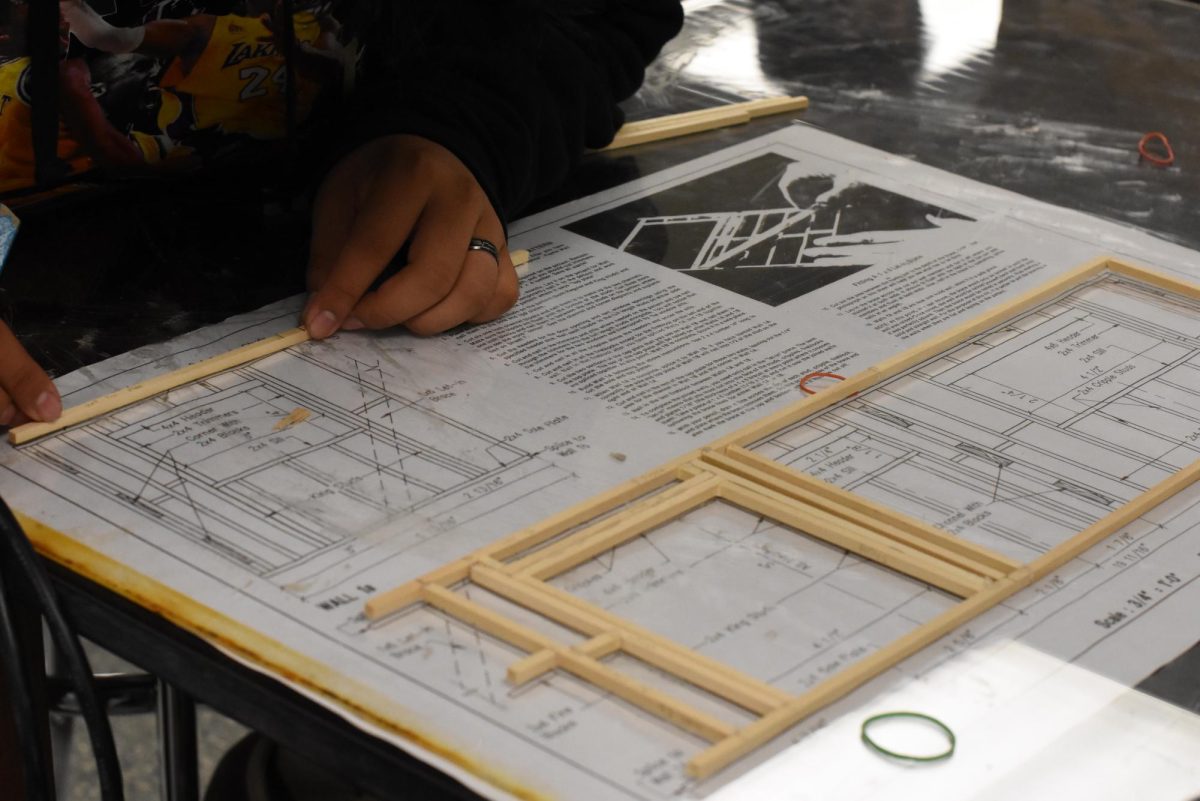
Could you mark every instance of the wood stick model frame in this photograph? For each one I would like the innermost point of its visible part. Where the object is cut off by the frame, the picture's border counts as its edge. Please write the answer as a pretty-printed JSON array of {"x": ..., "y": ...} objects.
[{"x": 518, "y": 567}]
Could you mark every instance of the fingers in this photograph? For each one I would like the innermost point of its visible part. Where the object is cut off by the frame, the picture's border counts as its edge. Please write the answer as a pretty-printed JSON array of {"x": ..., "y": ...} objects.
[
  {"x": 26, "y": 392},
  {"x": 380, "y": 227},
  {"x": 437, "y": 258},
  {"x": 505, "y": 293},
  {"x": 470, "y": 295},
  {"x": 484, "y": 287},
  {"x": 394, "y": 190}
]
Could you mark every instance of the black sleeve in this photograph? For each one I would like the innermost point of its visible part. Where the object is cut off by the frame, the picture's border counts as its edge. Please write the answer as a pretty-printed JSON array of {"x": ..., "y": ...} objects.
[{"x": 517, "y": 90}]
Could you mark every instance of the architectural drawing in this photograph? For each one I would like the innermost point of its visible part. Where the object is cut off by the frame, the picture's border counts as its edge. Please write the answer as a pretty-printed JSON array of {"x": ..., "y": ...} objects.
[
  {"x": 282, "y": 466},
  {"x": 308, "y": 481},
  {"x": 270, "y": 540},
  {"x": 1029, "y": 432},
  {"x": 1061, "y": 355}
]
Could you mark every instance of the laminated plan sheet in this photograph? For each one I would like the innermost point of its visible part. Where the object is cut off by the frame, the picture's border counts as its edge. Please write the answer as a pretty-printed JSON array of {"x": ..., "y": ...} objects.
[{"x": 267, "y": 503}]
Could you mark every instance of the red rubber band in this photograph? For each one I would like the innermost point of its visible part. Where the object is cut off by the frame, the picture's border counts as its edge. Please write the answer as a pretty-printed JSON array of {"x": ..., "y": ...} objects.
[
  {"x": 804, "y": 381},
  {"x": 1154, "y": 158}
]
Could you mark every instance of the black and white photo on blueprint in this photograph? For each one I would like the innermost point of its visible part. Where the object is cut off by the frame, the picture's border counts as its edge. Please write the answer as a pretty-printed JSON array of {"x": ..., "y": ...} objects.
[{"x": 771, "y": 228}]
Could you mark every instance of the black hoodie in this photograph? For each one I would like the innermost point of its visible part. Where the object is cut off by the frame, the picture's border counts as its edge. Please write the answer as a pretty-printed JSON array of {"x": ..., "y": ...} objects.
[{"x": 517, "y": 89}]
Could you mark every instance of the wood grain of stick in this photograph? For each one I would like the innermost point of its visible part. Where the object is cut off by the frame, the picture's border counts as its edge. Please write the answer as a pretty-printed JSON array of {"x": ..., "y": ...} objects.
[
  {"x": 158, "y": 384},
  {"x": 689, "y": 122}
]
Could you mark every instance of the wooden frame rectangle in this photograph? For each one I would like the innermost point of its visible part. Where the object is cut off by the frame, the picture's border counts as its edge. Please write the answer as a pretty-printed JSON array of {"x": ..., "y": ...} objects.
[{"x": 518, "y": 567}]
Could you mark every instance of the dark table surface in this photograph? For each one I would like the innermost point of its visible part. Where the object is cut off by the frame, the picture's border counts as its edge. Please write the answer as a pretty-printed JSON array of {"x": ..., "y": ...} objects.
[{"x": 1048, "y": 99}]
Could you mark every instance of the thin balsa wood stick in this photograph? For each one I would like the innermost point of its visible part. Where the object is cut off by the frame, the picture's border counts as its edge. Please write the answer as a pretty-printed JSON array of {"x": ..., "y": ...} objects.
[
  {"x": 577, "y": 515},
  {"x": 1059, "y": 555},
  {"x": 486, "y": 620},
  {"x": 855, "y": 539},
  {"x": 836, "y": 686},
  {"x": 688, "y": 122},
  {"x": 673, "y": 125},
  {"x": 562, "y": 607},
  {"x": 539, "y": 663},
  {"x": 393, "y": 600},
  {"x": 158, "y": 384},
  {"x": 793, "y": 498},
  {"x": 835, "y": 500},
  {"x": 528, "y": 668},
  {"x": 646, "y": 697},
  {"x": 889, "y": 367},
  {"x": 591, "y": 670},
  {"x": 766, "y": 106},
  {"x": 622, "y": 527},
  {"x": 143, "y": 390},
  {"x": 841, "y": 683},
  {"x": 1155, "y": 278}
]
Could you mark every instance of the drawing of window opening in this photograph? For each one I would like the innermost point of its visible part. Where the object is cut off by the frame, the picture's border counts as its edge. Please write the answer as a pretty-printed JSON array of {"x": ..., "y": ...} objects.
[
  {"x": 770, "y": 228},
  {"x": 759, "y": 596},
  {"x": 640, "y": 587}
]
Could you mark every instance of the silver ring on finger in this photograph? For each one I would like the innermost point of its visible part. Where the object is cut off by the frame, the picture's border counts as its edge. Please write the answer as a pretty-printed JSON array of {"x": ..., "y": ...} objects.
[{"x": 486, "y": 246}]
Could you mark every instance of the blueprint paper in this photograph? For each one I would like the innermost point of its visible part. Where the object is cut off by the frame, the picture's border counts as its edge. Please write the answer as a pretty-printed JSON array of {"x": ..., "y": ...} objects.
[{"x": 656, "y": 317}]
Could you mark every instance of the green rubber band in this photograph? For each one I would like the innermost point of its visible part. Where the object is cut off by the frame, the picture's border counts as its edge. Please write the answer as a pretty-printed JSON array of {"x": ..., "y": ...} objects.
[{"x": 866, "y": 737}]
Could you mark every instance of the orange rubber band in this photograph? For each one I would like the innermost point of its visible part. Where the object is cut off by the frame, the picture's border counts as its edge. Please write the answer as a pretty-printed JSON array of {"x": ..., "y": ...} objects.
[
  {"x": 804, "y": 381},
  {"x": 1154, "y": 158}
]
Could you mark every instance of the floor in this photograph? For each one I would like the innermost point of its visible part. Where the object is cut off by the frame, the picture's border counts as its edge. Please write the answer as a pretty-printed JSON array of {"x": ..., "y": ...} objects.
[{"x": 137, "y": 745}]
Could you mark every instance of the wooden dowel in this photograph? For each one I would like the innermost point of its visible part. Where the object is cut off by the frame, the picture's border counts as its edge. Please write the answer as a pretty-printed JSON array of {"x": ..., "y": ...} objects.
[
  {"x": 1155, "y": 278},
  {"x": 587, "y": 668},
  {"x": 562, "y": 607},
  {"x": 393, "y": 600},
  {"x": 19, "y": 435},
  {"x": 855, "y": 539},
  {"x": 838, "y": 685},
  {"x": 646, "y": 697},
  {"x": 773, "y": 423},
  {"x": 1111, "y": 523},
  {"x": 158, "y": 384},
  {"x": 863, "y": 511},
  {"x": 567, "y": 519},
  {"x": 688, "y": 122},
  {"x": 622, "y": 527},
  {"x": 539, "y": 663},
  {"x": 767, "y": 106}
]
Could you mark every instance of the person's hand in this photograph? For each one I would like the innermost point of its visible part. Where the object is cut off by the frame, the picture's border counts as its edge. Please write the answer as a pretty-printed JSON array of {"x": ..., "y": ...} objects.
[
  {"x": 390, "y": 191},
  {"x": 26, "y": 392}
]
